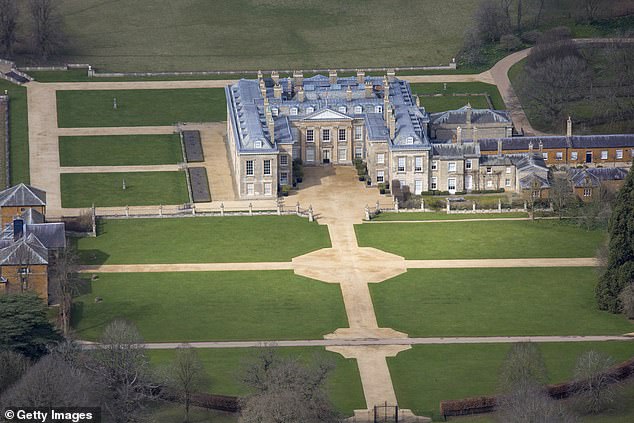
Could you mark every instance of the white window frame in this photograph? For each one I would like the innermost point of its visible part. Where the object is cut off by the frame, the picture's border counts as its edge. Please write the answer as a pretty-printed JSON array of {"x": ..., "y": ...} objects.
[
  {"x": 266, "y": 168},
  {"x": 283, "y": 160},
  {"x": 380, "y": 176},
  {"x": 258, "y": 144},
  {"x": 310, "y": 109},
  {"x": 310, "y": 155},
  {"x": 342, "y": 135},
  {"x": 559, "y": 155},
  {"x": 468, "y": 164},
  {"x": 418, "y": 187},
  {"x": 380, "y": 158},
  {"x": 268, "y": 188},
  {"x": 343, "y": 157},
  {"x": 489, "y": 183},
  {"x": 378, "y": 109},
  {"x": 294, "y": 111},
  {"x": 434, "y": 165},
  {"x": 451, "y": 167},
  {"x": 325, "y": 135},
  {"x": 275, "y": 111},
  {"x": 545, "y": 155},
  {"x": 358, "y": 110},
  {"x": 250, "y": 189},
  {"x": 358, "y": 152},
  {"x": 418, "y": 163},
  {"x": 619, "y": 154},
  {"x": 507, "y": 182},
  {"x": 574, "y": 155},
  {"x": 401, "y": 164},
  {"x": 587, "y": 192},
  {"x": 508, "y": 170},
  {"x": 358, "y": 133},
  {"x": 284, "y": 178},
  {"x": 489, "y": 170},
  {"x": 604, "y": 154},
  {"x": 434, "y": 183},
  {"x": 342, "y": 109},
  {"x": 250, "y": 168},
  {"x": 409, "y": 140},
  {"x": 451, "y": 181},
  {"x": 310, "y": 135}
]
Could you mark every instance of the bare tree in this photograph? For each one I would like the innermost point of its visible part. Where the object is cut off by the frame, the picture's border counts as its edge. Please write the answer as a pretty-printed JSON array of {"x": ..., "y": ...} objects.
[
  {"x": 561, "y": 194},
  {"x": 540, "y": 9},
  {"x": 54, "y": 382},
  {"x": 520, "y": 7},
  {"x": 12, "y": 367},
  {"x": 65, "y": 281},
  {"x": 592, "y": 8},
  {"x": 47, "y": 33},
  {"x": 523, "y": 365},
  {"x": 8, "y": 26},
  {"x": 627, "y": 300},
  {"x": 596, "y": 388},
  {"x": 286, "y": 390},
  {"x": 490, "y": 21},
  {"x": 120, "y": 362},
  {"x": 187, "y": 375}
]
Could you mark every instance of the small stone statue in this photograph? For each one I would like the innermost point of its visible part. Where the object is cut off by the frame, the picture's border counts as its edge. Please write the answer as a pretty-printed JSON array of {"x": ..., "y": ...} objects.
[
  {"x": 123, "y": 185},
  {"x": 114, "y": 103}
]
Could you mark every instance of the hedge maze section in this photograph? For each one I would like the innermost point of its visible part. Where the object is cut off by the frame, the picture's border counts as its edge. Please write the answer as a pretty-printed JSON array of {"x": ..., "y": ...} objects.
[
  {"x": 193, "y": 147},
  {"x": 199, "y": 185}
]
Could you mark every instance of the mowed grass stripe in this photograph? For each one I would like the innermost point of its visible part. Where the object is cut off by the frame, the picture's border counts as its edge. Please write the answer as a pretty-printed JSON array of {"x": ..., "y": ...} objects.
[
  {"x": 494, "y": 302},
  {"x": 106, "y": 189},
  {"x": 225, "y": 367},
  {"x": 203, "y": 240},
  {"x": 460, "y": 88},
  {"x": 120, "y": 150},
  {"x": 427, "y": 374},
  {"x": 480, "y": 240},
  {"x": 94, "y": 108},
  {"x": 212, "y": 306},
  {"x": 400, "y": 217},
  {"x": 18, "y": 132}
]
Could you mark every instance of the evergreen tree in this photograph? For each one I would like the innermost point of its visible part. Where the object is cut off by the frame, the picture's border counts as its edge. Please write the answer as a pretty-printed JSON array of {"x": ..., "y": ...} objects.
[
  {"x": 24, "y": 327},
  {"x": 620, "y": 269}
]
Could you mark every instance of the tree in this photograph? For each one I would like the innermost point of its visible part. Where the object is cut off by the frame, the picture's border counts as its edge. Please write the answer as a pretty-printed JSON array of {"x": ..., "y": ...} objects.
[
  {"x": 52, "y": 382},
  {"x": 620, "y": 269},
  {"x": 119, "y": 361},
  {"x": 285, "y": 390},
  {"x": 8, "y": 26},
  {"x": 561, "y": 194},
  {"x": 12, "y": 367},
  {"x": 626, "y": 297},
  {"x": 24, "y": 327},
  {"x": 65, "y": 281},
  {"x": 540, "y": 10},
  {"x": 490, "y": 21},
  {"x": 187, "y": 375},
  {"x": 591, "y": 8},
  {"x": 47, "y": 34},
  {"x": 523, "y": 365},
  {"x": 595, "y": 386}
]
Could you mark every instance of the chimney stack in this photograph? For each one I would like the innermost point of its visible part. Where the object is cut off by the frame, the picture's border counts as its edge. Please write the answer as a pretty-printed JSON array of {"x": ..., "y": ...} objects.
[
  {"x": 368, "y": 89},
  {"x": 499, "y": 146},
  {"x": 332, "y": 76},
  {"x": 530, "y": 147},
  {"x": 360, "y": 76},
  {"x": 392, "y": 123},
  {"x": 349, "y": 93},
  {"x": 386, "y": 87},
  {"x": 386, "y": 108},
  {"x": 469, "y": 111},
  {"x": 459, "y": 135},
  {"x": 275, "y": 77},
  {"x": 277, "y": 91},
  {"x": 270, "y": 123},
  {"x": 298, "y": 76},
  {"x": 391, "y": 74},
  {"x": 289, "y": 87},
  {"x": 541, "y": 146},
  {"x": 260, "y": 76},
  {"x": 262, "y": 88},
  {"x": 474, "y": 134},
  {"x": 300, "y": 94},
  {"x": 417, "y": 99},
  {"x": 569, "y": 127}
]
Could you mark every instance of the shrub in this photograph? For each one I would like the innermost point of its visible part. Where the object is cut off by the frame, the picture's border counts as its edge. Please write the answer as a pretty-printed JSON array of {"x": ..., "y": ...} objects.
[
  {"x": 531, "y": 37},
  {"x": 510, "y": 42},
  {"x": 285, "y": 190}
]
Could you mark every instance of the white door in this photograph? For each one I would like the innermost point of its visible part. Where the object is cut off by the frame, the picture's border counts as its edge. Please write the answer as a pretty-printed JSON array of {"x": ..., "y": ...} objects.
[
  {"x": 468, "y": 182},
  {"x": 451, "y": 185}
]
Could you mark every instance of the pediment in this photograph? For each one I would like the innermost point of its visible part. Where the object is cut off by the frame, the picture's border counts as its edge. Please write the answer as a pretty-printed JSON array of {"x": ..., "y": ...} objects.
[{"x": 327, "y": 114}]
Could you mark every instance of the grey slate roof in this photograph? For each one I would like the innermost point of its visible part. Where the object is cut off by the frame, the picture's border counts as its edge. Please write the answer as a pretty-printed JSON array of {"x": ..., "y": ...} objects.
[
  {"x": 478, "y": 116},
  {"x": 28, "y": 250},
  {"x": 559, "y": 141},
  {"x": 594, "y": 176},
  {"x": 22, "y": 195},
  {"x": 455, "y": 151},
  {"x": 51, "y": 235},
  {"x": 31, "y": 216}
]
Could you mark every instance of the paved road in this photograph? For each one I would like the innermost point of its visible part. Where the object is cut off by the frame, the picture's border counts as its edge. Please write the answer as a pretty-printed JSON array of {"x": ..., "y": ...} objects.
[{"x": 384, "y": 341}]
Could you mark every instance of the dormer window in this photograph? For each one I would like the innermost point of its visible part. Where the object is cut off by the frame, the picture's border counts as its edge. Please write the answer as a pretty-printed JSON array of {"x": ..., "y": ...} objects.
[
  {"x": 409, "y": 140},
  {"x": 293, "y": 111},
  {"x": 358, "y": 109},
  {"x": 275, "y": 111},
  {"x": 258, "y": 144},
  {"x": 342, "y": 109},
  {"x": 378, "y": 109},
  {"x": 310, "y": 109}
]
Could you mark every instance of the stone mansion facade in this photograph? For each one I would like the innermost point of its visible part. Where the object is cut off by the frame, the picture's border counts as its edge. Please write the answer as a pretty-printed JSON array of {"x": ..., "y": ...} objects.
[{"x": 335, "y": 120}]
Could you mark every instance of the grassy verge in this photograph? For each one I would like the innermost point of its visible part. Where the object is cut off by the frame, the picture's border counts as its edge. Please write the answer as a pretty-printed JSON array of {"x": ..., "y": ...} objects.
[
  {"x": 425, "y": 375},
  {"x": 471, "y": 302},
  {"x": 106, "y": 189},
  {"x": 174, "y": 413},
  {"x": 203, "y": 239},
  {"x": 208, "y": 306},
  {"x": 94, "y": 108},
  {"x": 18, "y": 131},
  {"x": 120, "y": 150},
  {"x": 390, "y": 216},
  {"x": 474, "y": 240},
  {"x": 460, "y": 88},
  {"x": 224, "y": 367}
]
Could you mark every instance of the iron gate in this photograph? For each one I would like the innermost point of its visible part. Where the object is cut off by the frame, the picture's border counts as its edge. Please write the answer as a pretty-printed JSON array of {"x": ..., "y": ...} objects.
[{"x": 386, "y": 413}]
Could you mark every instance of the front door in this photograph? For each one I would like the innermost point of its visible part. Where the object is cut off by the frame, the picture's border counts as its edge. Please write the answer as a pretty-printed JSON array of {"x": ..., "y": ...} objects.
[{"x": 325, "y": 154}]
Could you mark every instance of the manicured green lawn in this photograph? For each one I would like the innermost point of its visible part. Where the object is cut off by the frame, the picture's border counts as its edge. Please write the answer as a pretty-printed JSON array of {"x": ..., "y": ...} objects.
[
  {"x": 443, "y": 103},
  {"x": 120, "y": 150},
  {"x": 224, "y": 367},
  {"x": 473, "y": 240},
  {"x": 460, "y": 88},
  {"x": 427, "y": 374},
  {"x": 80, "y": 109},
  {"x": 19, "y": 132},
  {"x": 208, "y": 306},
  {"x": 174, "y": 413},
  {"x": 494, "y": 302},
  {"x": 203, "y": 239},
  {"x": 106, "y": 189},
  {"x": 244, "y": 34},
  {"x": 390, "y": 216}
]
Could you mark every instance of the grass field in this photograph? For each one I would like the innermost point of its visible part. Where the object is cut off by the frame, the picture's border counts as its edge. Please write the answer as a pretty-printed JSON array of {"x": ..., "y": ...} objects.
[
  {"x": 94, "y": 108},
  {"x": 444, "y": 103},
  {"x": 106, "y": 189},
  {"x": 207, "y": 306},
  {"x": 494, "y": 302},
  {"x": 18, "y": 131},
  {"x": 266, "y": 34},
  {"x": 174, "y": 413},
  {"x": 224, "y": 367},
  {"x": 458, "y": 88},
  {"x": 390, "y": 216},
  {"x": 473, "y": 240},
  {"x": 120, "y": 150},
  {"x": 427, "y": 374},
  {"x": 203, "y": 239}
]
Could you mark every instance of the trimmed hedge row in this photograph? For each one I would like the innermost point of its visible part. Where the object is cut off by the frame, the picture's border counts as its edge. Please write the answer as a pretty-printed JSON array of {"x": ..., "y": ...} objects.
[
  {"x": 199, "y": 399},
  {"x": 478, "y": 405}
]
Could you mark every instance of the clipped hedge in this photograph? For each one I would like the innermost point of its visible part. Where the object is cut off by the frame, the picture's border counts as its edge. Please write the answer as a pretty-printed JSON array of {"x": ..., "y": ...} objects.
[{"x": 204, "y": 400}]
